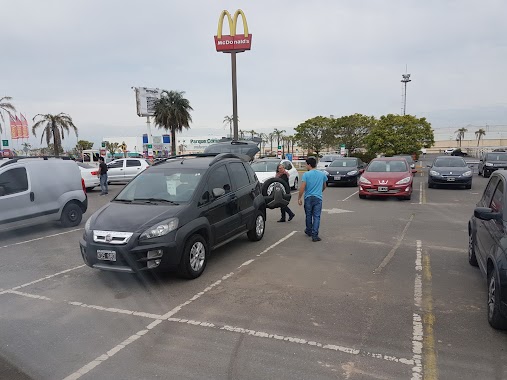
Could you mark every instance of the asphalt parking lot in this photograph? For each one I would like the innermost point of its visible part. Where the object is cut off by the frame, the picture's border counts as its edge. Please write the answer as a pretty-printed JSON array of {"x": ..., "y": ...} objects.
[{"x": 387, "y": 294}]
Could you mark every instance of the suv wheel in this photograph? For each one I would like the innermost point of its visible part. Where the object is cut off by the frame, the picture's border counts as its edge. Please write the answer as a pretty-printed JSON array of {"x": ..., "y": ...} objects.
[
  {"x": 257, "y": 232},
  {"x": 194, "y": 257},
  {"x": 268, "y": 186},
  {"x": 296, "y": 184},
  {"x": 486, "y": 174},
  {"x": 472, "y": 259},
  {"x": 495, "y": 318},
  {"x": 71, "y": 215}
]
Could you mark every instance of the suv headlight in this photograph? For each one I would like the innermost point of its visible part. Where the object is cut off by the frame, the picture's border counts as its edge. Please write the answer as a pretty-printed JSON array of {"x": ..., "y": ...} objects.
[
  {"x": 364, "y": 180},
  {"x": 489, "y": 164},
  {"x": 432, "y": 172},
  {"x": 467, "y": 174},
  {"x": 160, "y": 229},
  {"x": 404, "y": 181},
  {"x": 353, "y": 172}
]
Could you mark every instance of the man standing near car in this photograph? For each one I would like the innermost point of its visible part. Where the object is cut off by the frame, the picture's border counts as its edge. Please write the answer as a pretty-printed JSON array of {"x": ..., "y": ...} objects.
[
  {"x": 312, "y": 187},
  {"x": 103, "y": 176}
]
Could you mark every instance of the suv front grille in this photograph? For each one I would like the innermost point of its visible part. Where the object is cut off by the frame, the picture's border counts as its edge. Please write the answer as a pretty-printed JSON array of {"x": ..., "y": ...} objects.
[{"x": 111, "y": 237}]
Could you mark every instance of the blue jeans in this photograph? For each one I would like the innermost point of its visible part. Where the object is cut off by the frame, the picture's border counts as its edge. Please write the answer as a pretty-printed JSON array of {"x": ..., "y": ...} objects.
[
  {"x": 313, "y": 208},
  {"x": 103, "y": 183}
]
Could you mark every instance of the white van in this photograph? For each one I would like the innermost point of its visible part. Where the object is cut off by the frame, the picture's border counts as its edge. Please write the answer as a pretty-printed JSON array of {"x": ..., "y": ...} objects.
[{"x": 40, "y": 190}]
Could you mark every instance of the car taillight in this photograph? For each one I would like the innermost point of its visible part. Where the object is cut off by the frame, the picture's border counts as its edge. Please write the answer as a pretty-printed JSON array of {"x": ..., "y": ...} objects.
[
  {"x": 83, "y": 184},
  {"x": 95, "y": 173}
]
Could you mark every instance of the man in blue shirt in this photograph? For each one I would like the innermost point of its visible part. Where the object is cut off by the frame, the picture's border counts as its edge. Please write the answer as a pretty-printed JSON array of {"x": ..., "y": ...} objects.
[{"x": 313, "y": 184}]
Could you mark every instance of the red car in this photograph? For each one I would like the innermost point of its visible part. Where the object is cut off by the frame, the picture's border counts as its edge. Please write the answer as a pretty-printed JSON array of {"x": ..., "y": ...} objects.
[{"x": 387, "y": 177}]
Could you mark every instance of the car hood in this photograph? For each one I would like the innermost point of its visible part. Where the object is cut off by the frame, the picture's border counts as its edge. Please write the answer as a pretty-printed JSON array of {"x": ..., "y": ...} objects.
[
  {"x": 451, "y": 170},
  {"x": 263, "y": 176},
  {"x": 340, "y": 169},
  {"x": 132, "y": 217},
  {"x": 385, "y": 178}
]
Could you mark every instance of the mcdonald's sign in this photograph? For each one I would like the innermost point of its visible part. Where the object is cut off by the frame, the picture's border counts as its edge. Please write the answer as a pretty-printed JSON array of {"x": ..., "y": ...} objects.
[{"x": 232, "y": 43}]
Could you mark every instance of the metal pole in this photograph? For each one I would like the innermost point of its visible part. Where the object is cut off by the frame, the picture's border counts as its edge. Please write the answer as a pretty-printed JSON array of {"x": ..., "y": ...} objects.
[
  {"x": 150, "y": 137},
  {"x": 405, "y": 99},
  {"x": 234, "y": 95}
]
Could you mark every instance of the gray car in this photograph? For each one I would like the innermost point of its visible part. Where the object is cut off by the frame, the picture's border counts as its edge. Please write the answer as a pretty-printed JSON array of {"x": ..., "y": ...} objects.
[
  {"x": 492, "y": 161},
  {"x": 450, "y": 171}
]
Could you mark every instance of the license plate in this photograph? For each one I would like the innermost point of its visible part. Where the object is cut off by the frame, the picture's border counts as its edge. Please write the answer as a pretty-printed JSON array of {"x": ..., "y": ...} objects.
[
  {"x": 383, "y": 188},
  {"x": 106, "y": 255},
  {"x": 451, "y": 179},
  {"x": 337, "y": 177}
]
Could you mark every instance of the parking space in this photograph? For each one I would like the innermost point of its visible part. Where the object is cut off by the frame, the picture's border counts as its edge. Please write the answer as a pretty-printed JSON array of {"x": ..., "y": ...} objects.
[{"x": 387, "y": 294}]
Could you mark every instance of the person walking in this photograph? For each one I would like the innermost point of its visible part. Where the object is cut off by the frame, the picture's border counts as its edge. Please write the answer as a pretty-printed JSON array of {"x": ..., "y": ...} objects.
[
  {"x": 312, "y": 186},
  {"x": 103, "y": 176},
  {"x": 284, "y": 176}
]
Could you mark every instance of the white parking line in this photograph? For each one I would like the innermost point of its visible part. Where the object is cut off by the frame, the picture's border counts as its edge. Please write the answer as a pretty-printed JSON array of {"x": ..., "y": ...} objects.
[
  {"x": 420, "y": 193},
  {"x": 350, "y": 196},
  {"x": 94, "y": 363},
  {"x": 40, "y": 238}
]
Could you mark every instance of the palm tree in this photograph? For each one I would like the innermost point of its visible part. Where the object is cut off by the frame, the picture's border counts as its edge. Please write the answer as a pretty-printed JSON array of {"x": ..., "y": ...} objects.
[
  {"x": 6, "y": 106},
  {"x": 252, "y": 133},
  {"x": 264, "y": 140},
  {"x": 460, "y": 134},
  {"x": 26, "y": 147},
  {"x": 278, "y": 135},
  {"x": 479, "y": 135},
  {"x": 271, "y": 137},
  {"x": 112, "y": 148},
  {"x": 172, "y": 112},
  {"x": 55, "y": 127},
  {"x": 242, "y": 134}
]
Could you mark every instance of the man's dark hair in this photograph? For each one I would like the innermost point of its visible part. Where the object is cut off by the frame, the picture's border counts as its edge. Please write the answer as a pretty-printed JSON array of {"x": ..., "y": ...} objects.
[
  {"x": 101, "y": 159},
  {"x": 311, "y": 161}
]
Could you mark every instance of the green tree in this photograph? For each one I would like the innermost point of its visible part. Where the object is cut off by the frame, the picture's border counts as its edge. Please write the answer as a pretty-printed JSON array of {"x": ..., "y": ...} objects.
[
  {"x": 479, "y": 135},
  {"x": 315, "y": 134},
  {"x": 396, "y": 134},
  {"x": 83, "y": 145},
  {"x": 278, "y": 133},
  {"x": 5, "y": 105},
  {"x": 112, "y": 148},
  {"x": 352, "y": 130},
  {"x": 26, "y": 147},
  {"x": 460, "y": 134},
  {"x": 172, "y": 112},
  {"x": 51, "y": 150},
  {"x": 54, "y": 127},
  {"x": 252, "y": 133}
]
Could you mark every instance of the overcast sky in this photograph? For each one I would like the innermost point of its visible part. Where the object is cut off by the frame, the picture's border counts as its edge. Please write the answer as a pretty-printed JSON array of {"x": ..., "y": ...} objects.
[{"x": 313, "y": 58}]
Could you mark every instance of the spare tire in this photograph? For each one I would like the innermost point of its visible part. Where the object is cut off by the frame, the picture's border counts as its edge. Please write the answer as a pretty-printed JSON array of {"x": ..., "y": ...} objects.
[{"x": 267, "y": 187}]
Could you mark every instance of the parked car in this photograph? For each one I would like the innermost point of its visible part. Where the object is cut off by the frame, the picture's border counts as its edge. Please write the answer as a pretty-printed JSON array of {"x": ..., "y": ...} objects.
[
  {"x": 387, "y": 177},
  {"x": 449, "y": 151},
  {"x": 450, "y": 171},
  {"x": 459, "y": 152},
  {"x": 490, "y": 162},
  {"x": 326, "y": 160},
  {"x": 174, "y": 214},
  {"x": 344, "y": 171},
  {"x": 409, "y": 159},
  {"x": 125, "y": 169},
  {"x": 39, "y": 190},
  {"x": 243, "y": 147},
  {"x": 89, "y": 174},
  {"x": 266, "y": 168},
  {"x": 487, "y": 246}
]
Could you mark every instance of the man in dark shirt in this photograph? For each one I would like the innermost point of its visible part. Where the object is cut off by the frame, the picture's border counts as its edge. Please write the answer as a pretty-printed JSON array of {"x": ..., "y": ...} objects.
[{"x": 103, "y": 176}]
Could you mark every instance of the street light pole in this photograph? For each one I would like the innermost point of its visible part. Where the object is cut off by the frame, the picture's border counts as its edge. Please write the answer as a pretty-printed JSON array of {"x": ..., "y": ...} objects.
[
  {"x": 234, "y": 95},
  {"x": 405, "y": 80}
]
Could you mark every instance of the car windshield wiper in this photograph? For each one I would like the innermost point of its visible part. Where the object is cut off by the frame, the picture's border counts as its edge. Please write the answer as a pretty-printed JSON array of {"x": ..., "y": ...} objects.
[
  {"x": 122, "y": 200},
  {"x": 148, "y": 200}
]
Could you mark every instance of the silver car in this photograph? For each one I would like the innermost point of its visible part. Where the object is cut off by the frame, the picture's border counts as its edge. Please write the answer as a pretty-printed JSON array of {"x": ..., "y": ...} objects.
[{"x": 125, "y": 169}]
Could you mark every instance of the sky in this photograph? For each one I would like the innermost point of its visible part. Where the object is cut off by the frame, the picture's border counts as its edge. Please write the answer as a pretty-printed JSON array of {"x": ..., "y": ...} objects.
[{"x": 324, "y": 57}]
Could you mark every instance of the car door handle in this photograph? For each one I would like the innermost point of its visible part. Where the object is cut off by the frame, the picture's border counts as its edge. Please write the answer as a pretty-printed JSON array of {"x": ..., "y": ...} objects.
[{"x": 32, "y": 196}]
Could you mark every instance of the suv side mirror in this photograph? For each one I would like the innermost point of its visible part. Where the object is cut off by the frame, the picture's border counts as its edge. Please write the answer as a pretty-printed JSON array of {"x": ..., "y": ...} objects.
[
  {"x": 486, "y": 213},
  {"x": 218, "y": 192}
]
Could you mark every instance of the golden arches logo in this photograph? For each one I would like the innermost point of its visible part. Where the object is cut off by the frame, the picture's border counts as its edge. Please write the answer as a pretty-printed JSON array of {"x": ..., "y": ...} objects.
[{"x": 232, "y": 42}]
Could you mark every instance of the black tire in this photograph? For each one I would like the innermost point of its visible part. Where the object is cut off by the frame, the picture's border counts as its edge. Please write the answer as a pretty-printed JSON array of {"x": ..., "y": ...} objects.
[
  {"x": 472, "y": 259},
  {"x": 88, "y": 189},
  {"x": 270, "y": 181},
  {"x": 406, "y": 197},
  {"x": 257, "y": 232},
  {"x": 71, "y": 215},
  {"x": 468, "y": 187},
  {"x": 194, "y": 258},
  {"x": 495, "y": 317},
  {"x": 296, "y": 184},
  {"x": 486, "y": 174},
  {"x": 431, "y": 185},
  {"x": 354, "y": 184},
  {"x": 362, "y": 196}
]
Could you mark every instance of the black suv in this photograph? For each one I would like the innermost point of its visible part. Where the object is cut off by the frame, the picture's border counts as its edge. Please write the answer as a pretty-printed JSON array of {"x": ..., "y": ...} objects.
[
  {"x": 487, "y": 246},
  {"x": 175, "y": 212},
  {"x": 492, "y": 161}
]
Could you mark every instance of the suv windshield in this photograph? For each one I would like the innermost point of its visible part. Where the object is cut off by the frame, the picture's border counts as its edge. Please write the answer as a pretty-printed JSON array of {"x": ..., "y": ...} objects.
[
  {"x": 171, "y": 185},
  {"x": 496, "y": 157},
  {"x": 387, "y": 166},
  {"x": 346, "y": 162},
  {"x": 449, "y": 163},
  {"x": 265, "y": 166}
]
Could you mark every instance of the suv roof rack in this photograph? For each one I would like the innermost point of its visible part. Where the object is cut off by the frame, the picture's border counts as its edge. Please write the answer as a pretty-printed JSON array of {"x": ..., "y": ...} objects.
[
  {"x": 16, "y": 159},
  {"x": 163, "y": 160}
]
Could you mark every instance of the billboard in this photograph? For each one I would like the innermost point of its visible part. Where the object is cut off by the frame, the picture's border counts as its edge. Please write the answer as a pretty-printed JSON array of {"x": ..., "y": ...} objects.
[{"x": 145, "y": 100}]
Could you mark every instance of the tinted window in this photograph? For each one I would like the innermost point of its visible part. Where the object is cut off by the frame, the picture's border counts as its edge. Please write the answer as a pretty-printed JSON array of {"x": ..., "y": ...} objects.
[
  {"x": 488, "y": 192},
  {"x": 497, "y": 201},
  {"x": 13, "y": 181},
  {"x": 287, "y": 165},
  {"x": 219, "y": 178},
  {"x": 265, "y": 166},
  {"x": 239, "y": 174},
  {"x": 496, "y": 157},
  {"x": 131, "y": 163},
  {"x": 115, "y": 164},
  {"x": 387, "y": 166},
  {"x": 346, "y": 162},
  {"x": 449, "y": 163}
]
